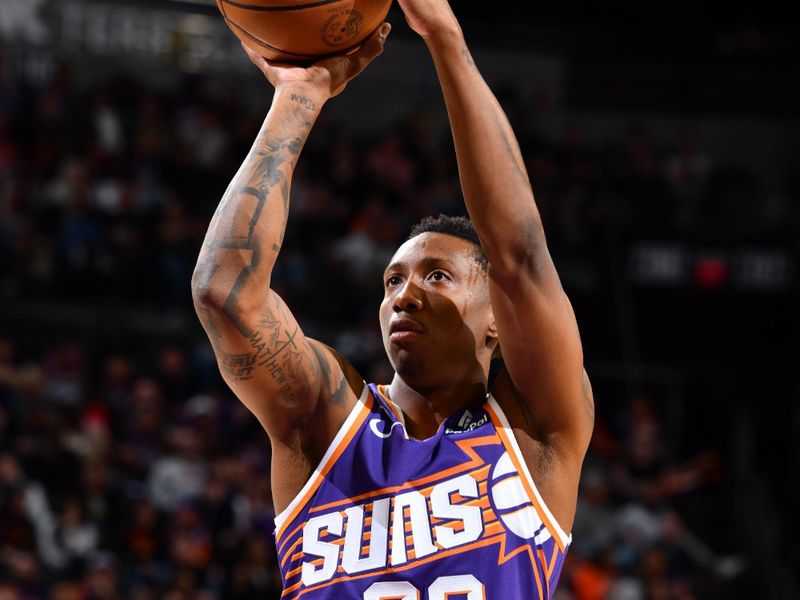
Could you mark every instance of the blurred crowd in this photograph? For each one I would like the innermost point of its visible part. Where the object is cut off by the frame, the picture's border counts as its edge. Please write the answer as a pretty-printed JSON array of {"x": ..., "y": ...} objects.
[
  {"x": 133, "y": 473},
  {"x": 105, "y": 193},
  {"x": 121, "y": 479}
]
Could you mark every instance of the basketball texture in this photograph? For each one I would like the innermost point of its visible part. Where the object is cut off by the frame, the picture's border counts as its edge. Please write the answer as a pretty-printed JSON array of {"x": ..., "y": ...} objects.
[{"x": 302, "y": 31}]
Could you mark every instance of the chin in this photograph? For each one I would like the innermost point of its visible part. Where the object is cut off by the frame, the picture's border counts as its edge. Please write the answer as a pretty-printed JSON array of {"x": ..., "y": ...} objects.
[{"x": 408, "y": 366}]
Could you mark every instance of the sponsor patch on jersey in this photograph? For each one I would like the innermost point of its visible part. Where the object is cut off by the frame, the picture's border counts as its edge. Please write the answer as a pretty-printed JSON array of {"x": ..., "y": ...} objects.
[{"x": 468, "y": 421}]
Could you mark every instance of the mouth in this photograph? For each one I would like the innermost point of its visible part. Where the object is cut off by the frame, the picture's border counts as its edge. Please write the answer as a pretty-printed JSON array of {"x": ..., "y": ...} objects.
[{"x": 404, "y": 329}]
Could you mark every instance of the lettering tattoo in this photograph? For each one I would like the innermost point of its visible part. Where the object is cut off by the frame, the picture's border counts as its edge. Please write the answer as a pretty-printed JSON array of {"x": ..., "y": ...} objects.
[
  {"x": 239, "y": 366},
  {"x": 276, "y": 358},
  {"x": 305, "y": 101},
  {"x": 274, "y": 349}
]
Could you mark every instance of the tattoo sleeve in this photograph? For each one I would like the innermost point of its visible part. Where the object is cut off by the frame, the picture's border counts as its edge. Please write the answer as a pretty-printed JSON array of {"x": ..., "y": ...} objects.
[
  {"x": 254, "y": 335},
  {"x": 248, "y": 226}
]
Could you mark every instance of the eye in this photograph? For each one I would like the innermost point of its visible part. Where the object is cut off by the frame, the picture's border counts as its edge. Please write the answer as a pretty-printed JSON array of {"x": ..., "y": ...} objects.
[
  {"x": 438, "y": 276},
  {"x": 392, "y": 280}
]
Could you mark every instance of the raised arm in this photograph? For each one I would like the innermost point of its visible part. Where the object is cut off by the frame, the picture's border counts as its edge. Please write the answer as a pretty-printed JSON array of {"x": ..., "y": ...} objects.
[
  {"x": 535, "y": 322},
  {"x": 263, "y": 355}
]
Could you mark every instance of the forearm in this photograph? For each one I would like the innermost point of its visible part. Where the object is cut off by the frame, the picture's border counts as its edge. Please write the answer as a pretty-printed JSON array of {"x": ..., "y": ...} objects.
[
  {"x": 496, "y": 188},
  {"x": 245, "y": 235}
]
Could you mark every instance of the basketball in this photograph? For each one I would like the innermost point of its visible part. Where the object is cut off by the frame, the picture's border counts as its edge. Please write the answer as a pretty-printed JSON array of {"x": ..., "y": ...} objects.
[{"x": 302, "y": 31}]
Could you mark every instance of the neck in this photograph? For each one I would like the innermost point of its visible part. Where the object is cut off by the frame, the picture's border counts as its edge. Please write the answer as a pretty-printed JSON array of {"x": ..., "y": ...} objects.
[{"x": 425, "y": 409}]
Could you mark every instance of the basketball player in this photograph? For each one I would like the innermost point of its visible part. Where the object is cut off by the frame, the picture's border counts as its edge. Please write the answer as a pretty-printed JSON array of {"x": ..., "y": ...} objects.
[{"x": 433, "y": 486}]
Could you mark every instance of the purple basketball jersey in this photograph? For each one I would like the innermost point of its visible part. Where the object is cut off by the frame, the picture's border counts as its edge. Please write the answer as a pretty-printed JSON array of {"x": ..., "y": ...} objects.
[{"x": 453, "y": 517}]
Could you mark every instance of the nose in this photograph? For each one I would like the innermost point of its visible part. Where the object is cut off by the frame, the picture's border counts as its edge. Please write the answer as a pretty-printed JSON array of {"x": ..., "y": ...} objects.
[{"x": 408, "y": 299}]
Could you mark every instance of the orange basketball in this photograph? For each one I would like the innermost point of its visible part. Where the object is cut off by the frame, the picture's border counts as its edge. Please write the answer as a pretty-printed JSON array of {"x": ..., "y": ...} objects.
[{"x": 302, "y": 31}]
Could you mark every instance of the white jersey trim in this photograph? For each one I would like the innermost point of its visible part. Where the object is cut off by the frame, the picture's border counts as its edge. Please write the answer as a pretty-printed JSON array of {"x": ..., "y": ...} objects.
[
  {"x": 358, "y": 409},
  {"x": 565, "y": 539}
]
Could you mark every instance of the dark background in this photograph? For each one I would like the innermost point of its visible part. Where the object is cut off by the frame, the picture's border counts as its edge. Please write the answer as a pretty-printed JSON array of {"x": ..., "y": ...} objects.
[{"x": 662, "y": 145}]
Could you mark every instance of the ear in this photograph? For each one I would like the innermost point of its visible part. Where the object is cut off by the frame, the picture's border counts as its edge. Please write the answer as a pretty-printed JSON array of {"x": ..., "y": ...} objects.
[{"x": 492, "y": 339}]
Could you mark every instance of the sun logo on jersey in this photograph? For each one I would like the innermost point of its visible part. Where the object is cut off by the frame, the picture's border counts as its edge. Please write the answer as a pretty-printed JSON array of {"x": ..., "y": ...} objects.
[{"x": 512, "y": 504}]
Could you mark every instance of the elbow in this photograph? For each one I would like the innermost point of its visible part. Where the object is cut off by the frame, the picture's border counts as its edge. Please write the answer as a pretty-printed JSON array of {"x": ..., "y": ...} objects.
[
  {"x": 205, "y": 298},
  {"x": 213, "y": 291},
  {"x": 205, "y": 295}
]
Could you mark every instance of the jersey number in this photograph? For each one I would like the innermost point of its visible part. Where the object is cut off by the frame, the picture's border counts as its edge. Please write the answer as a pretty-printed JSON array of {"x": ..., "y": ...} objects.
[{"x": 441, "y": 589}]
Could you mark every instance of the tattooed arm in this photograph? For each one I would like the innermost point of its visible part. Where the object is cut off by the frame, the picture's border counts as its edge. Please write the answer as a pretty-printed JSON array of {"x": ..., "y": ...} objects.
[
  {"x": 285, "y": 379},
  {"x": 538, "y": 333}
]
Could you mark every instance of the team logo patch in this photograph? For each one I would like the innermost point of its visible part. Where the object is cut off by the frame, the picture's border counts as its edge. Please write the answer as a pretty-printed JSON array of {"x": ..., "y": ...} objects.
[{"x": 512, "y": 504}]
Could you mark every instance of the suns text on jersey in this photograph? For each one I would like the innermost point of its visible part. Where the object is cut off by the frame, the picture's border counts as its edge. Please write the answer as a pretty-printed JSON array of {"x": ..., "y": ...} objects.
[{"x": 391, "y": 531}]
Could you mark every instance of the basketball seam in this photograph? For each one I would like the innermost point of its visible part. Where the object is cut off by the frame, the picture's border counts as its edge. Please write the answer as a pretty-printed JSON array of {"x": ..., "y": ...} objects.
[
  {"x": 265, "y": 44},
  {"x": 278, "y": 8}
]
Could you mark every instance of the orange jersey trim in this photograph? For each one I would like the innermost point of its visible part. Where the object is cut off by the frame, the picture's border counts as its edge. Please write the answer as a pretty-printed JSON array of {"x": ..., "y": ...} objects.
[
  {"x": 362, "y": 409},
  {"x": 382, "y": 391},
  {"x": 524, "y": 476}
]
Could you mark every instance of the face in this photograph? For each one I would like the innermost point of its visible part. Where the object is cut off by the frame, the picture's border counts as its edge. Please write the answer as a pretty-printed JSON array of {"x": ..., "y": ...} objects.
[{"x": 436, "y": 318}]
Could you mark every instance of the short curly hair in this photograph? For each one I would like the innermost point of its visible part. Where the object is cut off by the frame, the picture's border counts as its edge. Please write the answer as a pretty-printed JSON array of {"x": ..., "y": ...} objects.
[{"x": 460, "y": 227}]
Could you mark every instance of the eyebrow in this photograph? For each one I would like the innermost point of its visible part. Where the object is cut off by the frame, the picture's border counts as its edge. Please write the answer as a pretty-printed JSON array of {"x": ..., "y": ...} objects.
[{"x": 428, "y": 261}]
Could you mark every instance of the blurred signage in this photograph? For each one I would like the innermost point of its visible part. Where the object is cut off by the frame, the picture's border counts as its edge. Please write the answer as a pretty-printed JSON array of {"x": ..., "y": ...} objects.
[
  {"x": 673, "y": 264},
  {"x": 654, "y": 263},
  {"x": 189, "y": 34},
  {"x": 763, "y": 270}
]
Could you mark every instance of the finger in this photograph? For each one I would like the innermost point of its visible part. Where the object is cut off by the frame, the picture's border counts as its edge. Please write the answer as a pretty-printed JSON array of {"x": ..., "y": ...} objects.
[
  {"x": 255, "y": 57},
  {"x": 371, "y": 49},
  {"x": 375, "y": 42}
]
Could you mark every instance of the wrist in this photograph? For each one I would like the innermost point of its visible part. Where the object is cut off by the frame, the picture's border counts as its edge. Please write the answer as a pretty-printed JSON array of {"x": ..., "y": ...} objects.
[
  {"x": 444, "y": 37},
  {"x": 305, "y": 95}
]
